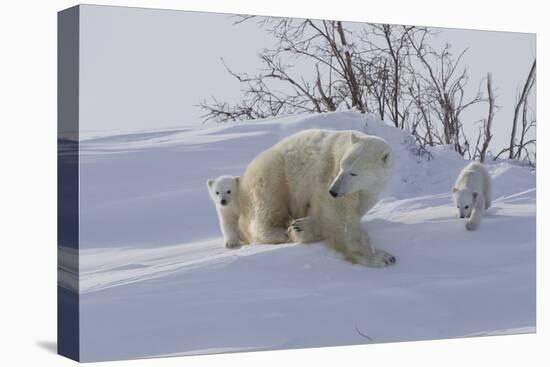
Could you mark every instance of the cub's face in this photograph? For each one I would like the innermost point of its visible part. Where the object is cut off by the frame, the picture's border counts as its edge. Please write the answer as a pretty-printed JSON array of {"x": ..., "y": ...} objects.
[
  {"x": 464, "y": 200},
  {"x": 368, "y": 162},
  {"x": 223, "y": 190}
]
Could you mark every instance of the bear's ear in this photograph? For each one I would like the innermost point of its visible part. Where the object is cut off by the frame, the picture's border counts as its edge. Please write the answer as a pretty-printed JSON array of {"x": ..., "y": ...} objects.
[
  {"x": 209, "y": 183},
  {"x": 475, "y": 195},
  {"x": 237, "y": 179},
  {"x": 354, "y": 138},
  {"x": 454, "y": 190}
]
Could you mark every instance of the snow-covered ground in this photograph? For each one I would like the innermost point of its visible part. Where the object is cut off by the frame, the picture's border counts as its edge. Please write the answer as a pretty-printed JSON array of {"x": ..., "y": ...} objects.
[{"x": 155, "y": 278}]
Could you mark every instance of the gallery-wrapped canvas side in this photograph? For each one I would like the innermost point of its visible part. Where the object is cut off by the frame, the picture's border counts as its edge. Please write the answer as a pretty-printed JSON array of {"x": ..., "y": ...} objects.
[{"x": 68, "y": 185}]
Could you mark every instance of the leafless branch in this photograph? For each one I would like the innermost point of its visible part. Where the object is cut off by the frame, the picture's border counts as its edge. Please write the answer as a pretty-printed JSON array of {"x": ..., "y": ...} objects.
[{"x": 488, "y": 122}]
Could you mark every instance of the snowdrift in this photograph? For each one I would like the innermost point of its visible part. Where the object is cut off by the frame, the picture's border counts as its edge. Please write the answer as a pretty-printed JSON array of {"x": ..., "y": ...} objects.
[{"x": 155, "y": 278}]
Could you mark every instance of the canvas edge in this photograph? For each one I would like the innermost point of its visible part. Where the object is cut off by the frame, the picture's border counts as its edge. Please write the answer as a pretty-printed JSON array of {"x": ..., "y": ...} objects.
[{"x": 68, "y": 329}]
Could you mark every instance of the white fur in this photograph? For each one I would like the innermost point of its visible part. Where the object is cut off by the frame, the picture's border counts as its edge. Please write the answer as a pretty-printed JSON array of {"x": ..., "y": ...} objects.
[
  {"x": 224, "y": 192},
  {"x": 472, "y": 194},
  {"x": 284, "y": 192}
]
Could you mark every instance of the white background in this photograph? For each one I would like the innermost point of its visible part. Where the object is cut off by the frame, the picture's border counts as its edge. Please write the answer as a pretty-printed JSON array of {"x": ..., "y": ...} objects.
[{"x": 28, "y": 181}]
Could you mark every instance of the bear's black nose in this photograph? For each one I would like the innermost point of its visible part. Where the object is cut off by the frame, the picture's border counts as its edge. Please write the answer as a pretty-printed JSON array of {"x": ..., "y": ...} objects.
[
  {"x": 333, "y": 193},
  {"x": 461, "y": 215},
  {"x": 223, "y": 201}
]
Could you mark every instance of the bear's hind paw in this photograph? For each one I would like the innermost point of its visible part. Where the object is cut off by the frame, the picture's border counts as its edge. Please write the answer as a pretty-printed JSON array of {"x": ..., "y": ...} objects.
[
  {"x": 304, "y": 230},
  {"x": 233, "y": 244}
]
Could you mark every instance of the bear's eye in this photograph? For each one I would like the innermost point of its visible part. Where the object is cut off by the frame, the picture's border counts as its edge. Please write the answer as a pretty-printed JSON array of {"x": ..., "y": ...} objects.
[
  {"x": 229, "y": 191},
  {"x": 217, "y": 193},
  {"x": 466, "y": 207},
  {"x": 353, "y": 174}
]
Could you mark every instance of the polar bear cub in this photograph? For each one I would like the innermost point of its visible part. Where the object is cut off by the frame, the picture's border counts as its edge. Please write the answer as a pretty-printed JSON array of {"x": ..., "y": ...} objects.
[
  {"x": 472, "y": 194},
  {"x": 224, "y": 193}
]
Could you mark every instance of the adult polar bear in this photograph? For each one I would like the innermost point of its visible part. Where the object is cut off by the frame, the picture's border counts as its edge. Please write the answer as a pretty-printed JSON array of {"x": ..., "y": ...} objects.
[{"x": 316, "y": 185}]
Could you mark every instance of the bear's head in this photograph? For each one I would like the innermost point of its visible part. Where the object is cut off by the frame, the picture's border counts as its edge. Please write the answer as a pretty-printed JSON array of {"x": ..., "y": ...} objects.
[
  {"x": 464, "y": 200},
  {"x": 367, "y": 162},
  {"x": 223, "y": 190}
]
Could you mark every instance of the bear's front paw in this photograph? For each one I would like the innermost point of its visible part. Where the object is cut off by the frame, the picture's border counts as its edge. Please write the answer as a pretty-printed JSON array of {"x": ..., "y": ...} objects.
[
  {"x": 233, "y": 244},
  {"x": 471, "y": 226},
  {"x": 378, "y": 260}
]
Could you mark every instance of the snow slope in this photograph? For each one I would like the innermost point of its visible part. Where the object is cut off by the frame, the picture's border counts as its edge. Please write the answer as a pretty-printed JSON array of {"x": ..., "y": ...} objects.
[{"x": 155, "y": 278}]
